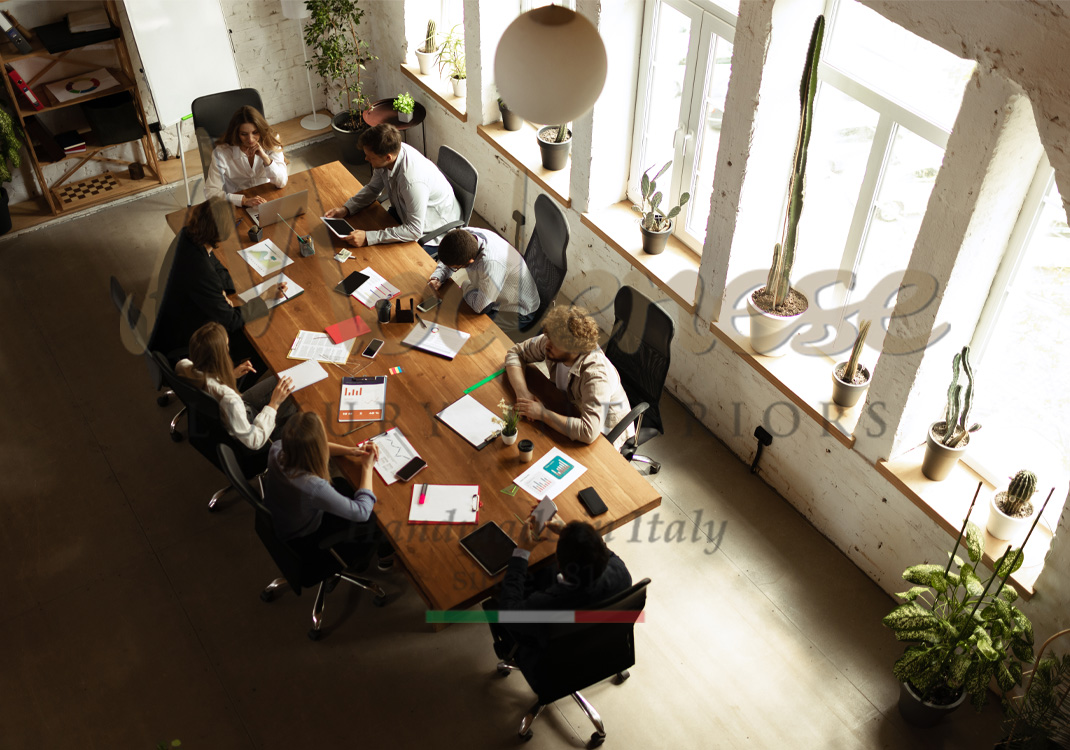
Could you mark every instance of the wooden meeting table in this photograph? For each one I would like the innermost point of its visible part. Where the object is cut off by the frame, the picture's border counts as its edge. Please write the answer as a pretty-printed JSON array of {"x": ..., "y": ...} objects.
[{"x": 443, "y": 573}]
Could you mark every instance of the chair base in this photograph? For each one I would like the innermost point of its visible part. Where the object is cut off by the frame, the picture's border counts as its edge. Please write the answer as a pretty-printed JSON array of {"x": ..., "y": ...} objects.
[
  {"x": 214, "y": 502},
  {"x": 655, "y": 466},
  {"x": 525, "y": 732},
  {"x": 175, "y": 434},
  {"x": 165, "y": 399}
]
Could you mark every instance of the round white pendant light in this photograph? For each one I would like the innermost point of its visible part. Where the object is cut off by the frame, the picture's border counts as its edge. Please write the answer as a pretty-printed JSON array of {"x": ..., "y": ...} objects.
[{"x": 550, "y": 65}]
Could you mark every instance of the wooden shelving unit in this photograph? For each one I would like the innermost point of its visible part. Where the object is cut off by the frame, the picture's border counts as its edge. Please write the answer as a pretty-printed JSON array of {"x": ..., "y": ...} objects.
[{"x": 59, "y": 195}]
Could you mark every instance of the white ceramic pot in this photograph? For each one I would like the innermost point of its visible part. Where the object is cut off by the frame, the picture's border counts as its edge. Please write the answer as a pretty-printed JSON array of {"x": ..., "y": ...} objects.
[
  {"x": 404, "y": 116},
  {"x": 460, "y": 87},
  {"x": 426, "y": 61},
  {"x": 1004, "y": 527},
  {"x": 770, "y": 335},
  {"x": 510, "y": 439},
  {"x": 939, "y": 460}
]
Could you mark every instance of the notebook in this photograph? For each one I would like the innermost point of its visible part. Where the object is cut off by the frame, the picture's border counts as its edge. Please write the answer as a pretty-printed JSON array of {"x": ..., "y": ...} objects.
[
  {"x": 471, "y": 420},
  {"x": 292, "y": 290},
  {"x": 436, "y": 339},
  {"x": 305, "y": 374},
  {"x": 347, "y": 329},
  {"x": 444, "y": 503},
  {"x": 362, "y": 399}
]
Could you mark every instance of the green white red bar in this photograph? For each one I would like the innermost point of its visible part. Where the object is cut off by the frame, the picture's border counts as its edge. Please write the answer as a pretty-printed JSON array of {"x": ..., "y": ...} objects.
[{"x": 532, "y": 617}]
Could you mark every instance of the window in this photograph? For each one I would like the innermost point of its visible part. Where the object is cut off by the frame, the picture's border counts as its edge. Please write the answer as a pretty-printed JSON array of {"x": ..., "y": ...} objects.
[
  {"x": 526, "y": 5},
  {"x": 687, "y": 58}
]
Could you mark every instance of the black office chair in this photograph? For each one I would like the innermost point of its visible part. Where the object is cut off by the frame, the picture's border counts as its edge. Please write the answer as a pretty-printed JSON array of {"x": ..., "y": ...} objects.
[
  {"x": 639, "y": 347},
  {"x": 545, "y": 254},
  {"x": 576, "y": 656},
  {"x": 206, "y": 430},
  {"x": 130, "y": 318},
  {"x": 212, "y": 113},
  {"x": 463, "y": 178},
  {"x": 324, "y": 568}
]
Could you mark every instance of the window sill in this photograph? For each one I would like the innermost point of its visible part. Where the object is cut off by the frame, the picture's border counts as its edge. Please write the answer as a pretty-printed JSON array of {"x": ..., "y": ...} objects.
[
  {"x": 440, "y": 90},
  {"x": 946, "y": 503},
  {"x": 522, "y": 149},
  {"x": 675, "y": 271}
]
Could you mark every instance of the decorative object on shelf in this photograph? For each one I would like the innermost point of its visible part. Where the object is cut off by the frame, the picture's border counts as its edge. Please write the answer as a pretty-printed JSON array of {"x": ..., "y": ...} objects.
[
  {"x": 404, "y": 105},
  {"x": 425, "y": 54},
  {"x": 296, "y": 10},
  {"x": 1040, "y": 717},
  {"x": 137, "y": 170},
  {"x": 510, "y": 422},
  {"x": 961, "y": 631},
  {"x": 558, "y": 86},
  {"x": 450, "y": 58},
  {"x": 555, "y": 142},
  {"x": 776, "y": 307},
  {"x": 1012, "y": 510},
  {"x": 10, "y": 158},
  {"x": 339, "y": 56},
  {"x": 947, "y": 439},
  {"x": 851, "y": 379},
  {"x": 81, "y": 85},
  {"x": 510, "y": 119},
  {"x": 656, "y": 225}
]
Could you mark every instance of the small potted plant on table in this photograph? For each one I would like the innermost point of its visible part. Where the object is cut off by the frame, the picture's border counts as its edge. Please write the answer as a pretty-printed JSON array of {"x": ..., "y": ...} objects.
[
  {"x": 555, "y": 142},
  {"x": 425, "y": 54},
  {"x": 1012, "y": 510},
  {"x": 510, "y": 421},
  {"x": 851, "y": 379},
  {"x": 404, "y": 105},
  {"x": 947, "y": 439},
  {"x": 656, "y": 225}
]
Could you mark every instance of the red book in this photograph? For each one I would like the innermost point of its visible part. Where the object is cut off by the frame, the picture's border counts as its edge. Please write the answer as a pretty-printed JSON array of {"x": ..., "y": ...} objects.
[
  {"x": 347, "y": 329},
  {"x": 26, "y": 91}
]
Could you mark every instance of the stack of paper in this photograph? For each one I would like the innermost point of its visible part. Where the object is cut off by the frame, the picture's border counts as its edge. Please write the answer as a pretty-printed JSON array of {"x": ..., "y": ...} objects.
[
  {"x": 305, "y": 374},
  {"x": 471, "y": 420},
  {"x": 394, "y": 452},
  {"x": 444, "y": 503},
  {"x": 374, "y": 289},
  {"x": 318, "y": 346},
  {"x": 265, "y": 257},
  {"x": 550, "y": 475},
  {"x": 292, "y": 290}
]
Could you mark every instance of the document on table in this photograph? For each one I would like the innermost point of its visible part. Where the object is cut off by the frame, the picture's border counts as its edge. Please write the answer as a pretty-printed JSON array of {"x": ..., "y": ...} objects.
[
  {"x": 265, "y": 257},
  {"x": 436, "y": 339},
  {"x": 318, "y": 346},
  {"x": 471, "y": 420},
  {"x": 394, "y": 452},
  {"x": 292, "y": 290},
  {"x": 362, "y": 400},
  {"x": 374, "y": 289},
  {"x": 550, "y": 475},
  {"x": 444, "y": 503},
  {"x": 305, "y": 374}
]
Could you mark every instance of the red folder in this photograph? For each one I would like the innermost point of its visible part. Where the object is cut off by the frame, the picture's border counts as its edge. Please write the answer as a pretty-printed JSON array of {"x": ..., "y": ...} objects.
[
  {"x": 26, "y": 91},
  {"x": 347, "y": 329}
]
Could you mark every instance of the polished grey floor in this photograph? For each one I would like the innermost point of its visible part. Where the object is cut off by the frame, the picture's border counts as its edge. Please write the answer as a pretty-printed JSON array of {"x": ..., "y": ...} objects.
[{"x": 130, "y": 615}]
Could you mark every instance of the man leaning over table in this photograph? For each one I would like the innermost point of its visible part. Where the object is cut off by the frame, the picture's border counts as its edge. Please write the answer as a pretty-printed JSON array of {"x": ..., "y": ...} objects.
[
  {"x": 421, "y": 198},
  {"x": 569, "y": 344}
]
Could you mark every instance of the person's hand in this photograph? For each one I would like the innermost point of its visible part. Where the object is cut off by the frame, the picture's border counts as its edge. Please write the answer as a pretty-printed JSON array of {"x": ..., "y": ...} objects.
[
  {"x": 531, "y": 408},
  {"x": 337, "y": 213},
  {"x": 370, "y": 455},
  {"x": 228, "y": 299},
  {"x": 283, "y": 389},
  {"x": 556, "y": 525},
  {"x": 273, "y": 292},
  {"x": 434, "y": 284},
  {"x": 280, "y": 290},
  {"x": 252, "y": 200},
  {"x": 529, "y": 539},
  {"x": 244, "y": 368},
  {"x": 357, "y": 239}
]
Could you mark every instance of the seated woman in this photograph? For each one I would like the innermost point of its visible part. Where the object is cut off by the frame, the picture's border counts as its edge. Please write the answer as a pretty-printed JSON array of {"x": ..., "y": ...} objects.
[
  {"x": 308, "y": 506},
  {"x": 248, "y": 154},
  {"x": 249, "y": 417},
  {"x": 569, "y": 343}
]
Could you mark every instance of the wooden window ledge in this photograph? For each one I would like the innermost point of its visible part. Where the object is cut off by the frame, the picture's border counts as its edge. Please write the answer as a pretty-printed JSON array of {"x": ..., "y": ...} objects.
[
  {"x": 522, "y": 149},
  {"x": 440, "y": 89}
]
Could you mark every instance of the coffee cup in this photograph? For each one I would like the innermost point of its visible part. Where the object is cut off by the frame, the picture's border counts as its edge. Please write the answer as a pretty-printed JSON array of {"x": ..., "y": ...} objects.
[{"x": 525, "y": 447}]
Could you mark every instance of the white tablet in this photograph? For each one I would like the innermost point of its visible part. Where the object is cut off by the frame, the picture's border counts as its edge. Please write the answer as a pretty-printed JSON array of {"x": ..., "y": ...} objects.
[{"x": 339, "y": 227}]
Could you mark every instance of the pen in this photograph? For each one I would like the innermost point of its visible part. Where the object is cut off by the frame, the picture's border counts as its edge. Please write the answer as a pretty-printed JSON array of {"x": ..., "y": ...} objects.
[
  {"x": 487, "y": 441},
  {"x": 484, "y": 381},
  {"x": 423, "y": 494},
  {"x": 421, "y": 321},
  {"x": 355, "y": 429}
]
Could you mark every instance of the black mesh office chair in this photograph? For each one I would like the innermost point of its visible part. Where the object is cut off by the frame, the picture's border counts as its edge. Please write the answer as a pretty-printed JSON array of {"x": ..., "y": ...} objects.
[
  {"x": 206, "y": 430},
  {"x": 463, "y": 178},
  {"x": 545, "y": 254},
  {"x": 639, "y": 347},
  {"x": 576, "y": 656},
  {"x": 299, "y": 571},
  {"x": 212, "y": 113},
  {"x": 130, "y": 321}
]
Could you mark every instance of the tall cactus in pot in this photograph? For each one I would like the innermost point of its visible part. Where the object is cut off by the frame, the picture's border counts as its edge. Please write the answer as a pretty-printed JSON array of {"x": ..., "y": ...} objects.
[{"x": 429, "y": 39}]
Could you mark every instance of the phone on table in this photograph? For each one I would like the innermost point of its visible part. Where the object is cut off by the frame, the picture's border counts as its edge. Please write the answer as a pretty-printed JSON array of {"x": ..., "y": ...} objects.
[
  {"x": 372, "y": 349},
  {"x": 543, "y": 512},
  {"x": 428, "y": 304},
  {"x": 409, "y": 470},
  {"x": 339, "y": 227},
  {"x": 351, "y": 283}
]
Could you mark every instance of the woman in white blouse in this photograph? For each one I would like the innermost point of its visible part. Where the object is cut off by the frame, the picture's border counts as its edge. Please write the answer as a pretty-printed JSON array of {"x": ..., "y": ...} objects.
[
  {"x": 249, "y": 417},
  {"x": 248, "y": 154}
]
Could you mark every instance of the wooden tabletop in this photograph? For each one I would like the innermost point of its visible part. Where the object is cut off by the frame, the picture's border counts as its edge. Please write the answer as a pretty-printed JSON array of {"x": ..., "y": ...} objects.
[{"x": 441, "y": 570}]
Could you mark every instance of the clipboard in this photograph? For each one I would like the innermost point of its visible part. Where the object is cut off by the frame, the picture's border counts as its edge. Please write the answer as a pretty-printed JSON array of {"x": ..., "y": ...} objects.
[
  {"x": 472, "y": 421},
  {"x": 445, "y": 503}
]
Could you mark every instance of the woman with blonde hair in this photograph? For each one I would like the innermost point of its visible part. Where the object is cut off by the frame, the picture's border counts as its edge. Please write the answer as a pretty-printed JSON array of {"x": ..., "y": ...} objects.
[
  {"x": 569, "y": 343},
  {"x": 248, "y": 417},
  {"x": 246, "y": 155},
  {"x": 308, "y": 506}
]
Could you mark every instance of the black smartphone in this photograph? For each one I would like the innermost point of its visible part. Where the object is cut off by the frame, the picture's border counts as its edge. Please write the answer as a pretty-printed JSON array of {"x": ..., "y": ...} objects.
[
  {"x": 372, "y": 349},
  {"x": 351, "y": 283},
  {"x": 428, "y": 304},
  {"x": 409, "y": 470},
  {"x": 592, "y": 502}
]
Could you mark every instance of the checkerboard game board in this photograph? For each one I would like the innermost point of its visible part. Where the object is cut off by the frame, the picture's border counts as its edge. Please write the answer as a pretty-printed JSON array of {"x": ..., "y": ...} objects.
[{"x": 86, "y": 189}]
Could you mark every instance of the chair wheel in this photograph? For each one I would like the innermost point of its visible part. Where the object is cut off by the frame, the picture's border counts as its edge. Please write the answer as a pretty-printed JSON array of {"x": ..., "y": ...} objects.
[
  {"x": 213, "y": 508},
  {"x": 266, "y": 597},
  {"x": 379, "y": 601},
  {"x": 163, "y": 400},
  {"x": 621, "y": 677},
  {"x": 526, "y": 736},
  {"x": 503, "y": 671},
  {"x": 655, "y": 469},
  {"x": 314, "y": 635},
  {"x": 176, "y": 437},
  {"x": 596, "y": 740}
]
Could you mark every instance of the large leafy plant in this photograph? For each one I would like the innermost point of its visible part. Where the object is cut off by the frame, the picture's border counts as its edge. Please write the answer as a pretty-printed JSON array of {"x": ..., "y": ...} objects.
[
  {"x": 339, "y": 54},
  {"x": 10, "y": 145},
  {"x": 1040, "y": 718},
  {"x": 962, "y": 632}
]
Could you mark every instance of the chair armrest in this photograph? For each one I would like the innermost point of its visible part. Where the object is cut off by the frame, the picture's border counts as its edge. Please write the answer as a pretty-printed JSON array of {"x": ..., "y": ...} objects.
[
  {"x": 440, "y": 231},
  {"x": 628, "y": 418}
]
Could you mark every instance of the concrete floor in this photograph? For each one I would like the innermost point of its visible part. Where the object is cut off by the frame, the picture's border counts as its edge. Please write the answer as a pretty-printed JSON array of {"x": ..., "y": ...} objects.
[{"x": 131, "y": 615}]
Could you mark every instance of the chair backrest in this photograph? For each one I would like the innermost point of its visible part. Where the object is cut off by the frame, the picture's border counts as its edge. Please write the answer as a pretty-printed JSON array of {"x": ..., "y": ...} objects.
[
  {"x": 545, "y": 255},
  {"x": 639, "y": 347},
  {"x": 230, "y": 465},
  {"x": 581, "y": 654},
  {"x": 462, "y": 177},
  {"x": 205, "y": 427},
  {"x": 213, "y": 112}
]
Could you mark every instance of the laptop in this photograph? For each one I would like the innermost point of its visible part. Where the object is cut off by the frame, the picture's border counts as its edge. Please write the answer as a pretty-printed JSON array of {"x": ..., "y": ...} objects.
[{"x": 288, "y": 206}]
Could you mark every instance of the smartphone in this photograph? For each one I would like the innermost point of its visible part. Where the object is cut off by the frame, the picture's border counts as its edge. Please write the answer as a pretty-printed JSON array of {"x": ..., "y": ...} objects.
[
  {"x": 372, "y": 349},
  {"x": 428, "y": 304},
  {"x": 339, "y": 227},
  {"x": 351, "y": 283},
  {"x": 543, "y": 512},
  {"x": 409, "y": 470}
]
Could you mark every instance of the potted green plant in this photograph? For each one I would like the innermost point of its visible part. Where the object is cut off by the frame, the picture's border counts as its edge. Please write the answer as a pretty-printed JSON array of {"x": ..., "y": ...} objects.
[
  {"x": 404, "y": 105},
  {"x": 509, "y": 422},
  {"x": 961, "y": 632},
  {"x": 425, "y": 54},
  {"x": 339, "y": 56},
  {"x": 10, "y": 158},
  {"x": 656, "y": 224},
  {"x": 1040, "y": 717},
  {"x": 510, "y": 119},
  {"x": 851, "y": 379},
  {"x": 775, "y": 307},
  {"x": 450, "y": 58},
  {"x": 947, "y": 439},
  {"x": 1012, "y": 509},
  {"x": 555, "y": 142}
]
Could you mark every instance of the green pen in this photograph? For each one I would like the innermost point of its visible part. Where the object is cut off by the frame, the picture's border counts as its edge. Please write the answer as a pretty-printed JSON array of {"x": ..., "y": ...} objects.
[{"x": 484, "y": 381}]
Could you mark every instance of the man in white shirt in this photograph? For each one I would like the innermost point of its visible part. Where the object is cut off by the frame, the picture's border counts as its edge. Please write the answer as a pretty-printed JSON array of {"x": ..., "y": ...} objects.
[
  {"x": 498, "y": 279},
  {"x": 421, "y": 198}
]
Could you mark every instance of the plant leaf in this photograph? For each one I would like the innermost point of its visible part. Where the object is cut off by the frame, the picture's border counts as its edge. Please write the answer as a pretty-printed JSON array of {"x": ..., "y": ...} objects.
[
  {"x": 662, "y": 170},
  {"x": 922, "y": 574},
  {"x": 913, "y": 594},
  {"x": 975, "y": 542},
  {"x": 1009, "y": 562}
]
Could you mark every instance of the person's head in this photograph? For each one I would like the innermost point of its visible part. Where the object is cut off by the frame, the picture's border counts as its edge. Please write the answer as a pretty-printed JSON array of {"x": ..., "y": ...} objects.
[
  {"x": 381, "y": 145},
  {"x": 582, "y": 556},
  {"x": 304, "y": 444},
  {"x": 209, "y": 350},
  {"x": 247, "y": 128},
  {"x": 570, "y": 331},
  {"x": 458, "y": 248},
  {"x": 211, "y": 222}
]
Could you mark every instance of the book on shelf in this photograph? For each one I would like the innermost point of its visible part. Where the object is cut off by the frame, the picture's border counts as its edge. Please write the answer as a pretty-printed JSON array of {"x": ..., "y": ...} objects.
[
  {"x": 71, "y": 141},
  {"x": 27, "y": 92},
  {"x": 94, "y": 19},
  {"x": 14, "y": 35}
]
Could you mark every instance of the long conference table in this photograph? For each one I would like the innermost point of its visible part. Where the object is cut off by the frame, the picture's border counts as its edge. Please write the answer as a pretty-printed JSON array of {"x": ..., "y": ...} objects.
[{"x": 443, "y": 573}]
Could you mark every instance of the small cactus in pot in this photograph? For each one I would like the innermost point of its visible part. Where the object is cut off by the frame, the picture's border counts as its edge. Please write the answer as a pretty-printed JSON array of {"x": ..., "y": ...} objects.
[{"x": 1012, "y": 510}]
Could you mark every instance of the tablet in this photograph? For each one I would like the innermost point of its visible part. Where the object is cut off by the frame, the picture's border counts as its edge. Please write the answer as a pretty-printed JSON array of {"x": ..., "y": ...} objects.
[
  {"x": 351, "y": 283},
  {"x": 490, "y": 547},
  {"x": 339, "y": 227}
]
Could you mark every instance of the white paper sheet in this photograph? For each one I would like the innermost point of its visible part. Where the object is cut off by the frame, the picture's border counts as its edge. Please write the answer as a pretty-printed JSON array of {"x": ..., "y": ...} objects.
[
  {"x": 305, "y": 374},
  {"x": 394, "y": 452},
  {"x": 550, "y": 475},
  {"x": 374, "y": 289},
  {"x": 265, "y": 257},
  {"x": 292, "y": 290},
  {"x": 362, "y": 399},
  {"x": 471, "y": 420},
  {"x": 445, "y": 503},
  {"x": 78, "y": 86},
  {"x": 319, "y": 346},
  {"x": 436, "y": 339}
]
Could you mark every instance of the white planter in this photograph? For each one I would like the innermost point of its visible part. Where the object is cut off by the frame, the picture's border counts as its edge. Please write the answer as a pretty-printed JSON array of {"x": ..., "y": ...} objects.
[
  {"x": 426, "y": 61},
  {"x": 404, "y": 116},
  {"x": 940, "y": 460},
  {"x": 510, "y": 439},
  {"x": 770, "y": 335},
  {"x": 460, "y": 87},
  {"x": 1002, "y": 526}
]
